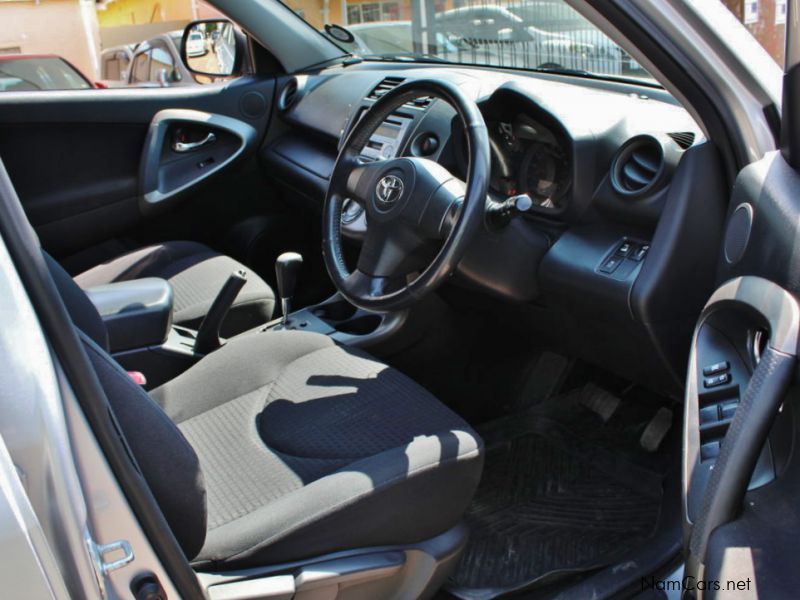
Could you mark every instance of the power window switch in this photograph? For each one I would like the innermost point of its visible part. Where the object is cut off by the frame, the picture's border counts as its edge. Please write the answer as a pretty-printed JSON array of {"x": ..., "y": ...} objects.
[
  {"x": 709, "y": 450},
  {"x": 728, "y": 409},
  {"x": 720, "y": 367},
  {"x": 624, "y": 249},
  {"x": 709, "y": 414},
  {"x": 717, "y": 380},
  {"x": 640, "y": 253},
  {"x": 611, "y": 264}
]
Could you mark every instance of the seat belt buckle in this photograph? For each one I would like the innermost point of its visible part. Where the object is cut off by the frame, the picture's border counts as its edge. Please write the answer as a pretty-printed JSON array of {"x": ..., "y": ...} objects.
[{"x": 138, "y": 377}]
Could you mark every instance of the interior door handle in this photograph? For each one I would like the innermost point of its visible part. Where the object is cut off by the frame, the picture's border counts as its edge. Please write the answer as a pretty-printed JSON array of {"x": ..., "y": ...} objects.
[{"x": 189, "y": 146}]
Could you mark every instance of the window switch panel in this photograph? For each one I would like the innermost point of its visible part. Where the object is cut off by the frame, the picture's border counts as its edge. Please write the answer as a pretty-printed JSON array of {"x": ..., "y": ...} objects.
[{"x": 720, "y": 367}]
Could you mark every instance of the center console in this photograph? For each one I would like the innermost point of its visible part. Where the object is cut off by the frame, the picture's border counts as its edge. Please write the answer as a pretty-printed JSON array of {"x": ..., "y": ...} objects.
[
  {"x": 337, "y": 318},
  {"x": 141, "y": 336},
  {"x": 136, "y": 313}
]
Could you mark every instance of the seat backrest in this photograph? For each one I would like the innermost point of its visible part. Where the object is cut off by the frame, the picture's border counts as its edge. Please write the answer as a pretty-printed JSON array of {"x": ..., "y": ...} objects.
[{"x": 167, "y": 462}]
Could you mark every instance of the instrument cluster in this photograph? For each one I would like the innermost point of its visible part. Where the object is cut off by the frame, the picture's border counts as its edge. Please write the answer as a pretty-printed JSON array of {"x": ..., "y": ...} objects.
[{"x": 528, "y": 158}]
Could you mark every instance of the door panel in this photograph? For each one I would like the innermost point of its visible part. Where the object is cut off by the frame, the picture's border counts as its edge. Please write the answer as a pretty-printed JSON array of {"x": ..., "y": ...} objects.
[
  {"x": 742, "y": 419},
  {"x": 741, "y": 466},
  {"x": 76, "y": 157}
]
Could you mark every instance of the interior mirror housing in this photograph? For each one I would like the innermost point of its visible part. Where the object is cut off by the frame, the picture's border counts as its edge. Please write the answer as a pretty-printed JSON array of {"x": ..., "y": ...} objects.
[{"x": 212, "y": 47}]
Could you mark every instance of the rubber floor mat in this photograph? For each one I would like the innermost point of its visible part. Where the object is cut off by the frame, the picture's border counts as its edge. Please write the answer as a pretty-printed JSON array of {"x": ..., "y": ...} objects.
[{"x": 549, "y": 505}]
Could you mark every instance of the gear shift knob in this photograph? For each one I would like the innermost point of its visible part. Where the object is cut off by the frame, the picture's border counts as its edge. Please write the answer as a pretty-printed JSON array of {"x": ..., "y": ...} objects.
[{"x": 287, "y": 267}]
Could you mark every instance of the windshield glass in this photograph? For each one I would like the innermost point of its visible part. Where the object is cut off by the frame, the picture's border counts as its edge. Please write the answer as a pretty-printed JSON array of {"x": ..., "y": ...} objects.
[{"x": 524, "y": 34}]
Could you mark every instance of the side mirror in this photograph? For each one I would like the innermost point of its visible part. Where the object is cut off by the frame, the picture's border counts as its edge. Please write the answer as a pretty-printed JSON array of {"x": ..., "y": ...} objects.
[{"x": 212, "y": 47}]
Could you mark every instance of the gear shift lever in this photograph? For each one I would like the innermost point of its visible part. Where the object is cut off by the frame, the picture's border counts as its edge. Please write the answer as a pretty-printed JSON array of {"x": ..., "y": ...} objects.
[{"x": 287, "y": 267}]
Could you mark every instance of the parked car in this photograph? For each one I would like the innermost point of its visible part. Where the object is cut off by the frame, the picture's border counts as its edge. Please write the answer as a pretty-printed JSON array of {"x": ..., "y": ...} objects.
[
  {"x": 29, "y": 72},
  {"x": 560, "y": 18},
  {"x": 114, "y": 65},
  {"x": 196, "y": 44},
  {"x": 157, "y": 63},
  {"x": 498, "y": 34}
]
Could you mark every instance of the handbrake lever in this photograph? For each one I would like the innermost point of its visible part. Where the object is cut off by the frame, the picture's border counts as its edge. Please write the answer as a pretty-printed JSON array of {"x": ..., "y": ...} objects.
[{"x": 208, "y": 335}]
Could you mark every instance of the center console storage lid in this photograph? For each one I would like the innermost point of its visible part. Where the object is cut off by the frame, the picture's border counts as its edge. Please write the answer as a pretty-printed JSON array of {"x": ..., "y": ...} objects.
[{"x": 137, "y": 313}]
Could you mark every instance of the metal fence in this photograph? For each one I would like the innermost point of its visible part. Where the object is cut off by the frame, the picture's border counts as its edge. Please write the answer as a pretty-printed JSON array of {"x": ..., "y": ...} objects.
[{"x": 515, "y": 33}]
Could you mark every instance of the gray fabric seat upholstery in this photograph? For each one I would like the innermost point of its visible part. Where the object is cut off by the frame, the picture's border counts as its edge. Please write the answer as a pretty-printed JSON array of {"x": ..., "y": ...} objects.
[
  {"x": 307, "y": 447},
  {"x": 196, "y": 273},
  {"x": 283, "y": 445}
]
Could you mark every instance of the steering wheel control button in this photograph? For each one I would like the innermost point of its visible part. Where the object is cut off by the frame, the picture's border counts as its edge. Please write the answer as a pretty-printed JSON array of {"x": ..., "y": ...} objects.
[
  {"x": 720, "y": 367},
  {"x": 611, "y": 264},
  {"x": 716, "y": 381}
]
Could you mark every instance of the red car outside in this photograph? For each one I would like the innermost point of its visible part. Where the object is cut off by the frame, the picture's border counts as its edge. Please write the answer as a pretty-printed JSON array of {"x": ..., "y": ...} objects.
[{"x": 34, "y": 72}]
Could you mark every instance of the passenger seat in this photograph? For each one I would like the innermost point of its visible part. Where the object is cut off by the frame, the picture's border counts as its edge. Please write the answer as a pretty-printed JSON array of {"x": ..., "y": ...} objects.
[{"x": 197, "y": 273}]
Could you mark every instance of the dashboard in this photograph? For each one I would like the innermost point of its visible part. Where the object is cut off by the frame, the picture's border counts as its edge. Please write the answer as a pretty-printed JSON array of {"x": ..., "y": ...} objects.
[{"x": 626, "y": 193}]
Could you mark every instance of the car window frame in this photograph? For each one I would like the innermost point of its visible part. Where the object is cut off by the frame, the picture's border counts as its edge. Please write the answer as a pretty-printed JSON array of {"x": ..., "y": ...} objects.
[
  {"x": 161, "y": 45},
  {"x": 142, "y": 51}
]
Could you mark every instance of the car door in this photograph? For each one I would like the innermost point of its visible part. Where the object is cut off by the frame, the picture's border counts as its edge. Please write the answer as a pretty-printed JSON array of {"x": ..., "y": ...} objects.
[
  {"x": 163, "y": 71},
  {"x": 140, "y": 65},
  {"x": 742, "y": 419},
  {"x": 93, "y": 165}
]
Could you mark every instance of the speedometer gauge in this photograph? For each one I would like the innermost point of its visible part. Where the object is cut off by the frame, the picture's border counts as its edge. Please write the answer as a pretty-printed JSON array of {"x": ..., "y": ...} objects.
[{"x": 544, "y": 175}]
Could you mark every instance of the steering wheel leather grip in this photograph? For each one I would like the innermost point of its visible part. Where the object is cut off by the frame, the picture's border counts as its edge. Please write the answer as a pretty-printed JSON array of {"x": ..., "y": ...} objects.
[{"x": 412, "y": 204}]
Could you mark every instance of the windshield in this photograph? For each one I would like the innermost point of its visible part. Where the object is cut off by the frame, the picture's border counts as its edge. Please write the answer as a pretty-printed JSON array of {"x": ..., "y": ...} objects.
[{"x": 524, "y": 34}]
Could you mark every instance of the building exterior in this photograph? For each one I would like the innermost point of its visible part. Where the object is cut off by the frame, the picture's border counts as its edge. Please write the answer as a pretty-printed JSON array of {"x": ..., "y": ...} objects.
[
  {"x": 68, "y": 28},
  {"x": 766, "y": 20},
  {"x": 132, "y": 21}
]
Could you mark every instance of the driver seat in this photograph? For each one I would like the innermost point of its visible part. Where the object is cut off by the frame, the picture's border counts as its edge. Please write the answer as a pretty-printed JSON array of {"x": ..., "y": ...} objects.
[{"x": 284, "y": 446}]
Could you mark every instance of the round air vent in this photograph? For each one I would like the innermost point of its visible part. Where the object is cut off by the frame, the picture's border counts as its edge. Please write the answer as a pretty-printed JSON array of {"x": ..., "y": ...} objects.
[
  {"x": 288, "y": 94},
  {"x": 638, "y": 167}
]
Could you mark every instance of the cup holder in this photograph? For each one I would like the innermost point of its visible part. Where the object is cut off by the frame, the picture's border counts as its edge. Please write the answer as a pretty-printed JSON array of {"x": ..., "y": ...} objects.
[
  {"x": 336, "y": 312},
  {"x": 361, "y": 325},
  {"x": 346, "y": 318}
]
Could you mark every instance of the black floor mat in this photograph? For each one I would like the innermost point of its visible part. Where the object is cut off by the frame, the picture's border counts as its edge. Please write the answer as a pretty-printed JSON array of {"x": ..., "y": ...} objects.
[{"x": 555, "y": 499}]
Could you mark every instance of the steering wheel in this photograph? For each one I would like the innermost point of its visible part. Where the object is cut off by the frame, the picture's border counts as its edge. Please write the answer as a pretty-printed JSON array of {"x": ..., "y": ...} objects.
[{"x": 413, "y": 205}]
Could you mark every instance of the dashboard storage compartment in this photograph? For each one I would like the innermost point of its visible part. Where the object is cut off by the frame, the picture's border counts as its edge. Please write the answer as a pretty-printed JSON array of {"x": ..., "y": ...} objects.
[{"x": 137, "y": 313}]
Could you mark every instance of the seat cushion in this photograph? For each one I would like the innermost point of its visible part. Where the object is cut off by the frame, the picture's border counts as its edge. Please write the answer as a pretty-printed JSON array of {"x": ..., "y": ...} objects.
[
  {"x": 307, "y": 447},
  {"x": 196, "y": 273}
]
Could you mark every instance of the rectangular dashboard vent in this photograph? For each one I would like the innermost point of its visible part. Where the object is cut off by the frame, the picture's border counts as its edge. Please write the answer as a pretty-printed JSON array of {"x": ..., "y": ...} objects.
[
  {"x": 389, "y": 83},
  {"x": 684, "y": 139}
]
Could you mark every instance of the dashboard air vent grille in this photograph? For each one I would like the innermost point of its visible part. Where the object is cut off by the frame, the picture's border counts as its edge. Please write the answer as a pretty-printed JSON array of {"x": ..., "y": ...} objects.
[
  {"x": 684, "y": 139},
  {"x": 387, "y": 84},
  {"x": 288, "y": 94},
  {"x": 638, "y": 166}
]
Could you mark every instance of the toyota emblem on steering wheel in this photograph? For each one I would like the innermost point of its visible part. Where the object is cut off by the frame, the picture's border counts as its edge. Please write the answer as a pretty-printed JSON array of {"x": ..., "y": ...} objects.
[{"x": 389, "y": 189}]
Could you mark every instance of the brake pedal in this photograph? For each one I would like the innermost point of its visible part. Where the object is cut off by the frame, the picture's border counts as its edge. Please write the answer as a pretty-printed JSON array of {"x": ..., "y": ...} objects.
[
  {"x": 656, "y": 430},
  {"x": 599, "y": 401}
]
